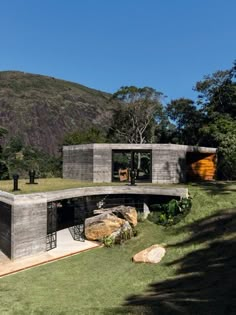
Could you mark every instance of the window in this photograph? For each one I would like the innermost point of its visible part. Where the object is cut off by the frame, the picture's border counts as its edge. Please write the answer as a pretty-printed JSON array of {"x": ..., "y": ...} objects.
[{"x": 123, "y": 161}]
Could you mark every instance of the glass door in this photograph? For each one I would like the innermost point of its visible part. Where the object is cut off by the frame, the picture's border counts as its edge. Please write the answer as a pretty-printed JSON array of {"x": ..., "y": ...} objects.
[{"x": 123, "y": 161}]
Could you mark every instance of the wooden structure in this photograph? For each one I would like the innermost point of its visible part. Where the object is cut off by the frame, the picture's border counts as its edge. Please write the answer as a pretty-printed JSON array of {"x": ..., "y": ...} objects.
[
  {"x": 124, "y": 174},
  {"x": 201, "y": 166}
]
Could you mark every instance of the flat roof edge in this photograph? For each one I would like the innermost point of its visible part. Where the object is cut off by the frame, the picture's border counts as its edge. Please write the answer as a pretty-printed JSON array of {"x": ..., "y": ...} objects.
[
  {"x": 6, "y": 197},
  {"x": 90, "y": 191},
  {"x": 147, "y": 146}
]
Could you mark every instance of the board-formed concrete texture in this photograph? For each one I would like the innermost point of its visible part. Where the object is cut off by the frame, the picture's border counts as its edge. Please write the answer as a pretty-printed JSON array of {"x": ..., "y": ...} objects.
[
  {"x": 23, "y": 218},
  {"x": 79, "y": 162},
  {"x": 93, "y": 162}
]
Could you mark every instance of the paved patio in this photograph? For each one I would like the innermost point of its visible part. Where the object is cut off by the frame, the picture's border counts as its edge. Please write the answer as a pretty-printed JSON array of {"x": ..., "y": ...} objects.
[{"x": 66, "y": 247}]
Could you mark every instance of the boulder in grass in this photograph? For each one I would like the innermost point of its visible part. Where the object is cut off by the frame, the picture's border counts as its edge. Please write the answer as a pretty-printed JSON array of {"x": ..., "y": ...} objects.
[
  {"x": 125, "y": 212},
  {"x": 102, "y": 225},
  {"x": 152, "y": 254}
]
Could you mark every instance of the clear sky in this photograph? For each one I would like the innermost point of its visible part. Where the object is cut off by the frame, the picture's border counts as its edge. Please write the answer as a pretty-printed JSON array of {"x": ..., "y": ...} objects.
[{"x": 165, "y": 44}]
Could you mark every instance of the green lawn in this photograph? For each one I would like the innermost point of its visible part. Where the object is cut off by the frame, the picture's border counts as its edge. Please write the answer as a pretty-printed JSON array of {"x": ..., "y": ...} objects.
[
  {"x": 197, "y": 275},
  {"x": 52, "y": 184},
  {"x": 47, "y": 184}
]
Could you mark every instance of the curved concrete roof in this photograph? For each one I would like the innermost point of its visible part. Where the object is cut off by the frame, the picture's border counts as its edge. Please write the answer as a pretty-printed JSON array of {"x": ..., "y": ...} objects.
[{"x": 93, "y": 191}]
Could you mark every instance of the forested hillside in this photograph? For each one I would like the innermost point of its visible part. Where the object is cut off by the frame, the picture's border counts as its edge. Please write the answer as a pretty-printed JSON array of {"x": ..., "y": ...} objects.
[{"x": 40, "y": 110}]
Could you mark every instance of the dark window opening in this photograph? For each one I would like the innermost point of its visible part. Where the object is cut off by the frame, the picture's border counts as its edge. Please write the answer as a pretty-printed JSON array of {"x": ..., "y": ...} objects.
[{"x": 123, "y": 161}]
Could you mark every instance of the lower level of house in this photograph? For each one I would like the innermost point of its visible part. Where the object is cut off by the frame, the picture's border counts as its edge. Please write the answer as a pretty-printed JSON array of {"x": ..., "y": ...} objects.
[{"x": 29, "y": 223}]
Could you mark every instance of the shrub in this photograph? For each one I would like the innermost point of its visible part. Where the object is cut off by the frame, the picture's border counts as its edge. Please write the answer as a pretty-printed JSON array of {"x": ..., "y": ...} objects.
[
  {"x": 108, "y": 241},
  {"x": 170, "y": 213},
  {"x": 124, "y": 235}
]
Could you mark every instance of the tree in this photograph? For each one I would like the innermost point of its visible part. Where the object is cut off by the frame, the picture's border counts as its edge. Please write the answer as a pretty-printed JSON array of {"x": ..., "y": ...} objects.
[
  {"x": 3, "y": 131},
  {"x": 217, "y": 98},
  {"x": 187, "y": 119},
  {"x": 92, "y": 135},
  {"x": 222, "y": 134},
  {"x": 4, "y": 174},
  {"x": 136, "y": 118},
  {"x": 217, "y": 93}
]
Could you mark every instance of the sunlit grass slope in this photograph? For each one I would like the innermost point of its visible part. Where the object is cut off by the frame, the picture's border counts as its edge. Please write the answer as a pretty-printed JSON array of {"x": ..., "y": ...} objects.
[{"x": 197, "y": 275}]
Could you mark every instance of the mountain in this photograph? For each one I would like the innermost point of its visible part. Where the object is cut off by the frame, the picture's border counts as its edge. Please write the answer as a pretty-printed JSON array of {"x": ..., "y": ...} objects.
[{"x": 42, "y": 109}]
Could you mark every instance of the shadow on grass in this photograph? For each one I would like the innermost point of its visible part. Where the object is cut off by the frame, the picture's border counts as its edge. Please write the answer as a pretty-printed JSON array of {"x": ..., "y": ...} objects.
[
  {"x": 205, "y": 281},
  {"x": 216, "y": 187}
]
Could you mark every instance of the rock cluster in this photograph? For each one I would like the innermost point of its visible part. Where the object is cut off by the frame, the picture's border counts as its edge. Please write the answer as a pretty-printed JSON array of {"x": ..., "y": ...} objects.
[{"x": 110, "y": 222}]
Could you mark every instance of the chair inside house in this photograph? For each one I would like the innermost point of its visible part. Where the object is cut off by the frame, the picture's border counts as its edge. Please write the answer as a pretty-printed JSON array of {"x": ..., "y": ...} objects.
[{"x": 124, "y": 174}]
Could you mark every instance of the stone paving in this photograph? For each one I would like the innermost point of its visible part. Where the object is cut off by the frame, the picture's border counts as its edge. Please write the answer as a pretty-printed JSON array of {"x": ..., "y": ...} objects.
[{"x": 66, "y": 247}]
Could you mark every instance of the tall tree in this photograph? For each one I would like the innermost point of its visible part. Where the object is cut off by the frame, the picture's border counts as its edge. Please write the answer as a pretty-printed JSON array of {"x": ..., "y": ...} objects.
[
  {"x": 187, "y": 119},
  {"x": 217, "y": 93},
  {"x": 217, "y": 98},
  {"x": 139, "y": 112}
]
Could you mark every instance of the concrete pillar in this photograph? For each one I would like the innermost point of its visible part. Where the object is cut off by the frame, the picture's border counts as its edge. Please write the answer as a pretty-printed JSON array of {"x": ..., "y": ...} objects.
[{"x": 29, "y": 225}]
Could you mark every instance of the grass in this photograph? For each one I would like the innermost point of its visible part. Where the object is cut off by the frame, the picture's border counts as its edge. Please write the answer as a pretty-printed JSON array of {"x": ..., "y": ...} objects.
[
  {"x": 53, "y": 184},
  {"x": 47, "y": 184},
  {"x": 197, "y": 275}
]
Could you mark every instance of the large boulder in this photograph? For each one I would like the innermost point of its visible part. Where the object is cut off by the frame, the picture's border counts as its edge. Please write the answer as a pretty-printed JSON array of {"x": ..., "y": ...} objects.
[
  {"x": 152, "y": 254},
  {"x": 128, "y": 213},
  {"x": 125, "y": 212},
  {"x": 102, "y": 225}
]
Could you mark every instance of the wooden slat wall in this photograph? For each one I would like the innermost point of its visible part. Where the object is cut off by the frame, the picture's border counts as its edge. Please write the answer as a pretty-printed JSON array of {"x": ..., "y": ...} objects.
[{"x": 201, "y": 166}]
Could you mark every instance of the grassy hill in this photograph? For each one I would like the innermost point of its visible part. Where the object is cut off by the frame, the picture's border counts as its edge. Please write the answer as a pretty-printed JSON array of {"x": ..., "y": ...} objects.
[{"x": 42, "y": 109}]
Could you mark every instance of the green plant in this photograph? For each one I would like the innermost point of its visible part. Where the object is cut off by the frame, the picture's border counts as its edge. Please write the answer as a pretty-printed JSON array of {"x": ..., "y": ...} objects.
[
  {"x": 123, "y": 236},
  {"x": 170, "y": 213},
  {"x": 108, "y": 241}
]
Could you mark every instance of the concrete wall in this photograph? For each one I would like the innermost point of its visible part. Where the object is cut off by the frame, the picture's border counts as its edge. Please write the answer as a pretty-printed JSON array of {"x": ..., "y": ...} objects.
[
  {"x": 93, "y": 162},
  {"x": 168, "y": 166},
  {"x": 78, "y": 162},
  {"x": 5, "y": 228},
  {"x": 29, "y": 225},
  {"x": 106, "y": 190},
  {"x": 102, "y": 164}
]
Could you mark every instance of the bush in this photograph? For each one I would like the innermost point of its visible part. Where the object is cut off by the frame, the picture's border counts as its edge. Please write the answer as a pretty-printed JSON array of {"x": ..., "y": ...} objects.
[
  {"x": 4, "y": 172},
  {"x": 19, "y": 159},
  {"x": 108, "y": 241},
  {"x": 124, "y": 235},
  {"x": 170, "y": 213}
]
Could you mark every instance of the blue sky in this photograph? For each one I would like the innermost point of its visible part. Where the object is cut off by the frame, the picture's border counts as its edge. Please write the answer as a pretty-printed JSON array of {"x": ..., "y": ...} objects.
[{"x": 165, "y": 44}]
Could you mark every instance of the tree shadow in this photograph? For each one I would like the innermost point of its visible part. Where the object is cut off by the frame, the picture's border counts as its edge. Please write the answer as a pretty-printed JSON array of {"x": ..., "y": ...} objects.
[
  {"x": 205, "y": 281},
  {"x": 216, "y": 187}
]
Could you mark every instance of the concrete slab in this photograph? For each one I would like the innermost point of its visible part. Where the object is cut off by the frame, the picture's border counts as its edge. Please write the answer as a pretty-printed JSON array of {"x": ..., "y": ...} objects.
[{"x": 66, "y": 247}]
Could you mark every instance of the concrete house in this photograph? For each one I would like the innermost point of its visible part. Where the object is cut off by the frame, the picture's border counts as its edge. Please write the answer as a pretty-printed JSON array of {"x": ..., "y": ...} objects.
[
  {"x": 29, "y": 223},
  {"x": 155, "y": 163}
]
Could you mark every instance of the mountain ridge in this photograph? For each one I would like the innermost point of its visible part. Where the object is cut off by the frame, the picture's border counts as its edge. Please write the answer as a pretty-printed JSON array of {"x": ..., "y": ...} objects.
[{"x": 42, "y": 109}]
